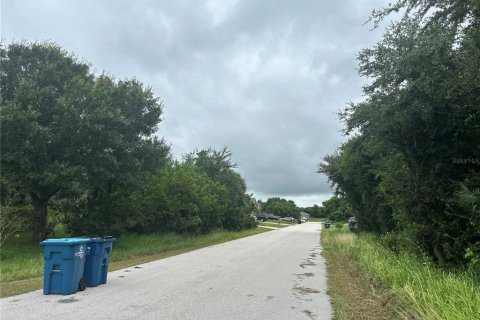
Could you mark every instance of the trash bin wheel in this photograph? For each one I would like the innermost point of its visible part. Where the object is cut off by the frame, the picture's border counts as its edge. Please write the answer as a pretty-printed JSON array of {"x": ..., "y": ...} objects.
[{"x": 82, "y": 285}]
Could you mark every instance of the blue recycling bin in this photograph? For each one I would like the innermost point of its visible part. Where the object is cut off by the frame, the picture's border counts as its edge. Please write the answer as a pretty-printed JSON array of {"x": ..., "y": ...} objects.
[
  {"x": 64, "y": 263},
  {"x": 327, "y": 225},
  {"x": 96, "y": 264}
]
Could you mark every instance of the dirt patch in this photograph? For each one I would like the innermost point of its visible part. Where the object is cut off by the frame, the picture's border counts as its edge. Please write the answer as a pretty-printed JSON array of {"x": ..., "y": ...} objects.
[
  {"x": 304, "y": 290},
  {"x": 354, "y": 295},
  {"x": 309, "y": 314},
  {"x": 307, "y": 263},
  {"x": 305, "y": 275},
  {"x": 68, "y": 300}
]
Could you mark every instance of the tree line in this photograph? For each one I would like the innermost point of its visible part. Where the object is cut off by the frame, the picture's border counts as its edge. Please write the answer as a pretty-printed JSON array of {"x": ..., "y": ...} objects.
[
  {"x": 83, "y": 146},
  {"x": 411, "y": 167}
]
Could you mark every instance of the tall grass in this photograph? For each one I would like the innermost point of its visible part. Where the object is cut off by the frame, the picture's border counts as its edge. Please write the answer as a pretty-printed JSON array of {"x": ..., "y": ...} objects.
[
  {"x": 431, "y": 292},
  {"x": 20, "y": 258}
]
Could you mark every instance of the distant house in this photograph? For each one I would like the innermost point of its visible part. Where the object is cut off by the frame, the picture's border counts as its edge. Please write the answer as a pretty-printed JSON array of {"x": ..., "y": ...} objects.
[{"x": 304, "y": 215}]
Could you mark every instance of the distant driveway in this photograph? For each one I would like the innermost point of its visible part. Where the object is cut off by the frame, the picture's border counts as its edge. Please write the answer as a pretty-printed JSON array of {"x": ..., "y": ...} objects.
[{"x": 274, "y": 275}]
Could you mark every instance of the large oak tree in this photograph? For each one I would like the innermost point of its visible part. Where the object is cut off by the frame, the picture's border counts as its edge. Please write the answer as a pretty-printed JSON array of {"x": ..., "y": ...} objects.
[{"x": 62, "y": 125}]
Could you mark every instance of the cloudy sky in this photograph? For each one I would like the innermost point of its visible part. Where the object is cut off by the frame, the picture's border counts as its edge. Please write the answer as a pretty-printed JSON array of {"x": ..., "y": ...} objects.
[{"x": 262, "y": 77}]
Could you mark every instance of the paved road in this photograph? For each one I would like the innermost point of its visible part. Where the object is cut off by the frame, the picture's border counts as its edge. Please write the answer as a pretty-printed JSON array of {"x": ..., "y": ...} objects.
[{"x": 274, "y": 275}]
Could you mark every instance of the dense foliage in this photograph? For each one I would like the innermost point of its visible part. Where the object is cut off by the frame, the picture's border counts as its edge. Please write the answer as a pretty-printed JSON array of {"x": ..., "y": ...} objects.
[
  {"x": 412, "y": 167},
  {"x": 61, "y": 125},
  {"x": 182, "y": 199},
  {"x": 85, "y": 144},
  {"x": 218, "y": 166},
  {"x": 336, "y": 209},
  {"x": 281, "y": 207},
  {"x": 315, "y": 211}
]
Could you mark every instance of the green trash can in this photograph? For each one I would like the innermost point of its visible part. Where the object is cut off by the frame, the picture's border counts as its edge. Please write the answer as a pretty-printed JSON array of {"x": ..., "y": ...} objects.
[
  {"x": 64, "y": 263},
  {"x": 97, "y": 260}
]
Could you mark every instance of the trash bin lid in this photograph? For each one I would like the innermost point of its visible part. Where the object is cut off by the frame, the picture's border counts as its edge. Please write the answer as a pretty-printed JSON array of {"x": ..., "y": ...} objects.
[{"x": 65, "y": 241}]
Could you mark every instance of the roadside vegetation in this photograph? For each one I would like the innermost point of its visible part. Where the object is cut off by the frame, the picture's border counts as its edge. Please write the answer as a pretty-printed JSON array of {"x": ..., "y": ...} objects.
[
  {"x": 281, "y": 207},
  {"x": 273, "y": 224},
  {"x": 79, "y": 149},
  {"x": 410, "y": 168},
  {"x": 369, "y": 281},
  {"x": 410, "y": 171}
]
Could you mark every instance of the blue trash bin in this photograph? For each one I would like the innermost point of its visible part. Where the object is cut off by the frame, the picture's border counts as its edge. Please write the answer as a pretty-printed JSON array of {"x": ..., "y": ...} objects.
[
  {"x": 96, "y": 264},
  {"x": 64, "y": 262},
  {"x": 327, "y": 225}
]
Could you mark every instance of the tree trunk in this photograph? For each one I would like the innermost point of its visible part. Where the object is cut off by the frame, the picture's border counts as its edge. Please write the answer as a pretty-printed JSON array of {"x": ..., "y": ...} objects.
[
  {"x": 39, "y": 216},
  {"x": 437, "y": 252}
]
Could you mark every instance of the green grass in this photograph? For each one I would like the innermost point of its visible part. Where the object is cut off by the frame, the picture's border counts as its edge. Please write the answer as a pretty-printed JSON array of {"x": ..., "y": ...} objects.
[
  {"x": 282, "y": 224},
  {"x": 21, "y": 266},
  {"x": 21, "y": 258},
  {"x": 134, "y": 246},
  {"x": 431, "y": 292}
]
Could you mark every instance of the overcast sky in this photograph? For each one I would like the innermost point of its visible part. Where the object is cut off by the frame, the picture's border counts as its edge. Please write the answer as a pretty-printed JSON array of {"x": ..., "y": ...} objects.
[{"x": 264, "y": 78}]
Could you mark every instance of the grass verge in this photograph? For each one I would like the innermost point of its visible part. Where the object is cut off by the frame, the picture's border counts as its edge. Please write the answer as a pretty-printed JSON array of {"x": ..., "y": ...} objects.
[
  {"x": 275, "y": 224},
  {"x": 354, "y": 295},
  {"x": 21, "y": 267},
  {"x": 403, "y": 286}
]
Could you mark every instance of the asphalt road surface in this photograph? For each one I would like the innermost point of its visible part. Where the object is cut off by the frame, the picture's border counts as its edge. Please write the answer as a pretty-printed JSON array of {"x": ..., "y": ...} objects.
[{"x": 274, "y": 275}]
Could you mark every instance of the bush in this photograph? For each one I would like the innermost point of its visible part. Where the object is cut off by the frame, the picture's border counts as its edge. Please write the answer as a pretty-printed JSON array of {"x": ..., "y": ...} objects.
[
  {"x": 107, "y": 214},
  {"x": 473, "y": 258},
  {"x": 14, "y": 219},
  {"x": 183, "y": 200}
]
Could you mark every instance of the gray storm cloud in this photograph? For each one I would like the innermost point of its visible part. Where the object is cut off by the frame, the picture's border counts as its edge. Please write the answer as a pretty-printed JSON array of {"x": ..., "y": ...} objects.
[{"x": 264, "y": 78}]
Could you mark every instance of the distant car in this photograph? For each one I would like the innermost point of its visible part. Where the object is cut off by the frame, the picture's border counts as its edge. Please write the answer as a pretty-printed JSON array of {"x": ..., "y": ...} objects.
[
  {"x": 289, "y": 219},
  {"x": 261, "y": 216},
  {"x": 272, "y": 216},
  {"x": 303, "y": 220}
]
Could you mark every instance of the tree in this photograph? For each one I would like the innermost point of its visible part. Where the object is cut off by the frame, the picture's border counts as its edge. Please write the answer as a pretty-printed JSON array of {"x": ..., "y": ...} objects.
[
  {"x": 63, "y": 126},
  {"x": 337, "y": 209},
  {"x": 315, "y": 211},
  {"x": 419, "y": 117},
  {"x": 219, "y": 167},
  {"x": 453, "y": 13},
  {"x": 182, "y": 199},
  {"x": 282, "y": 207},
  {"x": 355, "y": 172}
]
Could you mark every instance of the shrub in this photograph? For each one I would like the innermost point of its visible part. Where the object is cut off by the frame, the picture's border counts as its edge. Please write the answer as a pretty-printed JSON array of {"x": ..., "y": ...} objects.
[{"x": 14, "y": 219}]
